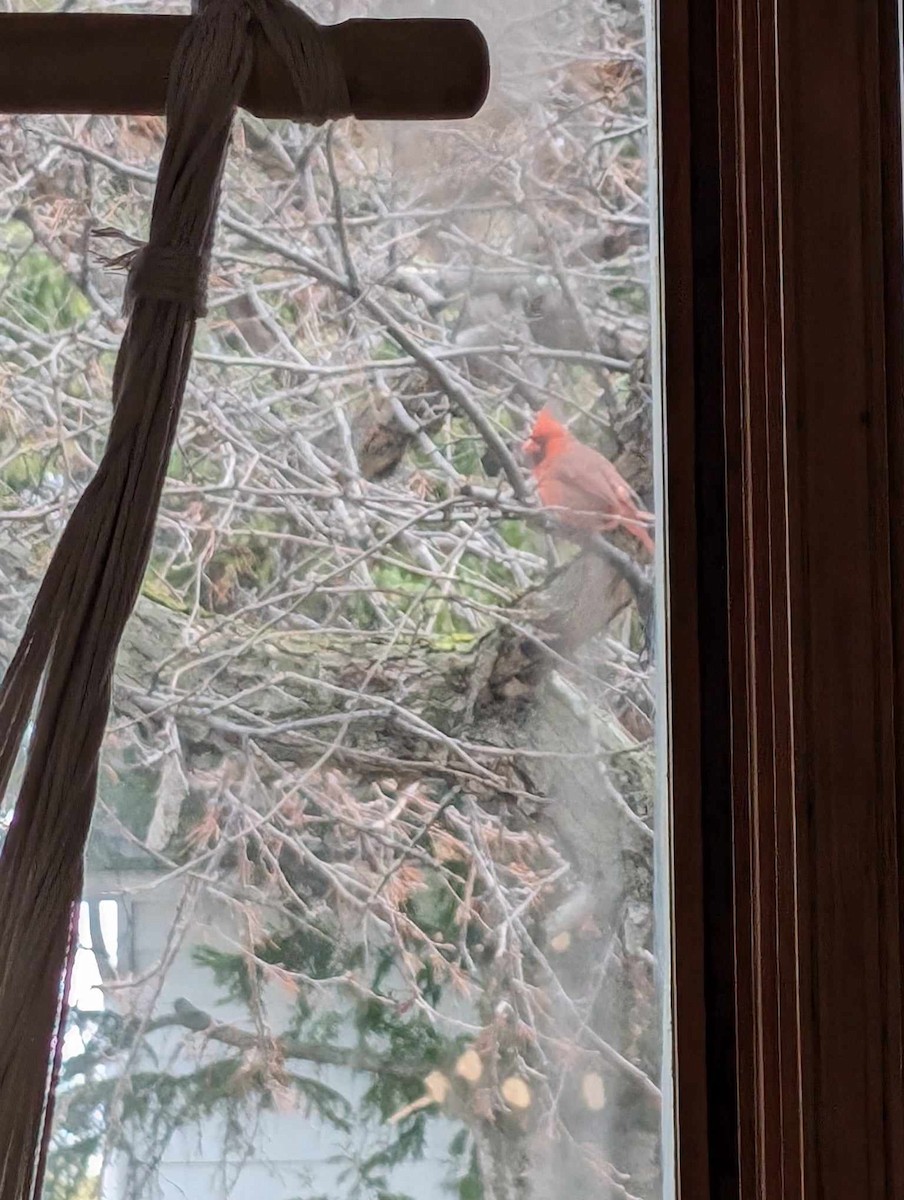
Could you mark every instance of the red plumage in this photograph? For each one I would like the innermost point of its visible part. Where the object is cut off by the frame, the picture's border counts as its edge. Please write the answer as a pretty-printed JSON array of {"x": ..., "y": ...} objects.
[{"x": 581, "y": 484}]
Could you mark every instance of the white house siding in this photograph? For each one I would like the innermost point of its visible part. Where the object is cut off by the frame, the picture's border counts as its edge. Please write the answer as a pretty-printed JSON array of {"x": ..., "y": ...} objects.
[{"x": 294, "y": 1155}]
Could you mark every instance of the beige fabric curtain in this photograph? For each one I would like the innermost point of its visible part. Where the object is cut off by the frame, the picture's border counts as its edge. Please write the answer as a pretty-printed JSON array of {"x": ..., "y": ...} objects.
[{"x": 69, "y": 647}]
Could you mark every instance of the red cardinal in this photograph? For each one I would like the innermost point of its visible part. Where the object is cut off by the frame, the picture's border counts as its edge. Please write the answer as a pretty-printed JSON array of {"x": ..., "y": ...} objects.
[{"x": 585, "y": 487}]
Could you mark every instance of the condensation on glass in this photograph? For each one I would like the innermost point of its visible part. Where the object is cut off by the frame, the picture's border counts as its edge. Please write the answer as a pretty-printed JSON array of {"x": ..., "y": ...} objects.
[{"x": 370, "y": 901}]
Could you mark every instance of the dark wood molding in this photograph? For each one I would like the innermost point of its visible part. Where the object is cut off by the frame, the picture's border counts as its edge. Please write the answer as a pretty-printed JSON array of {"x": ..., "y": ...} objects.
[
  {"x": 406, "y": 69},
  {"x": 695, "y": 642},
  {"x": 891, "y": 31},
  {"x": 790, "y": 627},
  {"x": 765, "y": 867},
  {"x": 811, "y": 248},
  {"x": 682, "y": 906}
]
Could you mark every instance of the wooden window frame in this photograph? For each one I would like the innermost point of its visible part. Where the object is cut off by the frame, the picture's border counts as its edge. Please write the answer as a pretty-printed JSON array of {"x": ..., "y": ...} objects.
[
  {"x": 783, "y": 317},
  {"x": 782, "y": 306}
]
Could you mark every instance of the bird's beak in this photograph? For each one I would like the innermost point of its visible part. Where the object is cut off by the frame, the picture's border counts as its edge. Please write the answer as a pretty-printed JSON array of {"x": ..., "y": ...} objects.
[{"x": 529, "y": 448}]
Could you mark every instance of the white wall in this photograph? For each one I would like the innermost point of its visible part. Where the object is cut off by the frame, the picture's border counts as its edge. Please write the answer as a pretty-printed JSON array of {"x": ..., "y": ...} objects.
[{"x": 294, "y": 1154}]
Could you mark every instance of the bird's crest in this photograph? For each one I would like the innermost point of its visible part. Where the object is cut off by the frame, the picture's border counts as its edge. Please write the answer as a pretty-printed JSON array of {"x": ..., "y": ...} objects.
[{"x": 545, "y": 429}]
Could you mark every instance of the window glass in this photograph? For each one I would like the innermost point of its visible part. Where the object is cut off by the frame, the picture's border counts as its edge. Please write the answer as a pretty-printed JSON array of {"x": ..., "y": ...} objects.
[{"x": 370, "y": 896}]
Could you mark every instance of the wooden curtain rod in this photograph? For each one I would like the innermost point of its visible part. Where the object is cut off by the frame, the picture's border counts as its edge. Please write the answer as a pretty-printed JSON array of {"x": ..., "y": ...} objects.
[{"x": 106, "y": 63}]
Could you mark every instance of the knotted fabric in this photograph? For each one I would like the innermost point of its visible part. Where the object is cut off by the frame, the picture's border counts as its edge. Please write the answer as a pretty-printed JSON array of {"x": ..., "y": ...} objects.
[
  {"x": 93, "y": 580},
  {"x": 168, "y": 273}
]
